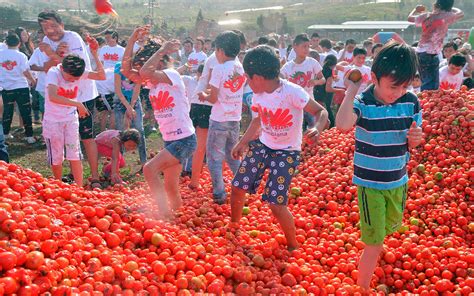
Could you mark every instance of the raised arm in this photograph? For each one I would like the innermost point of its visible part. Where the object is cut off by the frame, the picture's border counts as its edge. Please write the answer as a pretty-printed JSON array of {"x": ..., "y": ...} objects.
[
  {"x": 458, "y": 12},
  {"x": 149, "y": 71},
  {"x": 127, "y": 69},
  {"x": 345, "y": 117},
  {"x": 99, "y": 73},
  {"x": 416, "y": 11}
]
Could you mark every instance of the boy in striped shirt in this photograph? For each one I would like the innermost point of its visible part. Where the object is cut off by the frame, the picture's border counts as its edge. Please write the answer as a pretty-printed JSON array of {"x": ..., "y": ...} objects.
[{"x": 388, "y": 123}]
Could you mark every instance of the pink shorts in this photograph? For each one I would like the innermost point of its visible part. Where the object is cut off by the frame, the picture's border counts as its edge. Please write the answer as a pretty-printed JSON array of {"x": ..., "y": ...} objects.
[{"x": 62, "y": 141}]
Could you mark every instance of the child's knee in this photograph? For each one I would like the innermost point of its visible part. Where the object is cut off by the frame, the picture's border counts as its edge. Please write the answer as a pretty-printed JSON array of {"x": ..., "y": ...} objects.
[{"x": 279, "y": 210}]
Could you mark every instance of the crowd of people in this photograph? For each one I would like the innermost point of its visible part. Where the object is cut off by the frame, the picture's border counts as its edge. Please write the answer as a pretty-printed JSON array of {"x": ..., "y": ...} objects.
[{"x": 199, "y": 91}]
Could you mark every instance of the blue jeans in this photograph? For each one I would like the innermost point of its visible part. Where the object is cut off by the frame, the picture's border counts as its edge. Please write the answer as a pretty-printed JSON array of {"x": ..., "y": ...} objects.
[
  {"x": 429, "y": 71},
  {"x": 136, "y": 123},
  {"x": 221, "y": 139},
  {"x": 3, "y": 147}
]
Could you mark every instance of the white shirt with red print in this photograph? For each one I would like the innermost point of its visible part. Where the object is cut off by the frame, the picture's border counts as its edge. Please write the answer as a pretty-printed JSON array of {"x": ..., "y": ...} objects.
[
  {"x": 348, "y": 56},
  {"x": 171, "y": 107},
  {"x": 109, "y": 56},
  {"x": 281, "y": 116},
  {"x": 12, "y": 65},
  {"x": 301, "y": 74},
  {"x": 450, "y": 81},
  {"x": 434, "y": 27},
  {"x": 78, "y": 47},
  {"x": 72, "y": 90},
  {"x": 229, "y": 79},
  {"x": 195, "y": 59}
]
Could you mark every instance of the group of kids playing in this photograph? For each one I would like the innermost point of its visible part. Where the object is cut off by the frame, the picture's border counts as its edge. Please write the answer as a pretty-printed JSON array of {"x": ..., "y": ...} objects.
[{"x": 203, "y": 120}]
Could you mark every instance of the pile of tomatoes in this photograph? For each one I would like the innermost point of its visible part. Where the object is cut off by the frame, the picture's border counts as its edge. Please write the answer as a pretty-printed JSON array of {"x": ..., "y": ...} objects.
[{"x": 65, "y": 240}]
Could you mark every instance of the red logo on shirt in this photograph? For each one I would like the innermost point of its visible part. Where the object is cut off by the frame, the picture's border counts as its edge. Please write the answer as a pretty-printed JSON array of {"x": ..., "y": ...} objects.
[
  {"x": 67, "y": 93},
  {"x": 193, "y": 62},
  {"x": 301, "y": 78},
  {"x": 446, "y": 85},
  {"x": 9, "y": 65},
  {"x": 365, "y": 78},
  {"x": 430, "y": 24},
  {"x": 162, "y": 102},
  {"x": 280, "y": 119},
  {"x": 235, "y": 82},
  {"x": 111, "y": 57}
]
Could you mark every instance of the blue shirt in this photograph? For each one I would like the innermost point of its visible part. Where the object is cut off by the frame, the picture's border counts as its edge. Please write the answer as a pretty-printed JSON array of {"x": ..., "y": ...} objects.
[
  {"x": 381, "y": 153},
  {"x": 126, "y": 85}
]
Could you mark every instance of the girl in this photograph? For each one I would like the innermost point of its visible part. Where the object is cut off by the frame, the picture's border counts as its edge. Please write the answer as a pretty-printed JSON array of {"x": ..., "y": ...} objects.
[
  {"x": 171, "y": 109},
  {"x": 111, "y": 143},
  {"x": 26, "y": 44},
  {"x": 324, "y": 93}
]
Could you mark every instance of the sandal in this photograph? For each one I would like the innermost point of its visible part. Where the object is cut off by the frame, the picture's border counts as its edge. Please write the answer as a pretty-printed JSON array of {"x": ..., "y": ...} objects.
[{"x": 96, "y": 184}]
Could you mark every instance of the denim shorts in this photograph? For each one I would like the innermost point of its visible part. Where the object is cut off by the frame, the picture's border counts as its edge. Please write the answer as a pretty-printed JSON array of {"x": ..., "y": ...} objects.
[
  {"x": 182, "y": 149},
  {"x": 281, "y": 165}
]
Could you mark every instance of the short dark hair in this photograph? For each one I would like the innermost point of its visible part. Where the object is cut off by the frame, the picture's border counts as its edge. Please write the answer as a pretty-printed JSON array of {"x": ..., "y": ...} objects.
[
  {"x": 273, "y": 43},
  {"x": 262, "y": 40},
  {"x": 49, "y": 15},
  {"x": 229, "y": 42},
  {"x": 314, "y": 54},
  {"x": 263, "y": 61},
  {"x": 12, "y": 40},
  {"x": 207, "y": 40},
  {"x": 188, "y": 41},
  {"x": 451, "y": 44},
  {"x": 114, "y": 34},
  {"x": 300, "y": 38},
  {"x": 367, "y": 43},
  {"x": 376, "y": 45},
  {"x": 145, "y": 53},
  {"x": 74, "y": 65},
  {"x": 243, "y": 40},
  {"x": 326, "y": 43},
  {"x": 359, "y": 51},
  {"x": 100, "y": 40},
  {"x": 130, "y": 134},
  {"x": 458, "y": 60},
  {"x": 445, "y": 5},
  {"x": 350, "y": 41},
  {"x": 330, "y": 61},
  {"x": 397, "y": 61},
  {"x": 315, "y": 35},
  {"x": 200, "y": 40}
]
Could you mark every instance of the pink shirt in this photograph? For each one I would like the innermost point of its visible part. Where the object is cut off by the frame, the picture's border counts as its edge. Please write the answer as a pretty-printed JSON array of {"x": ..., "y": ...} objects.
[
  {"x": 434, "y": 27},
  {"x": 105, "y": 137}
]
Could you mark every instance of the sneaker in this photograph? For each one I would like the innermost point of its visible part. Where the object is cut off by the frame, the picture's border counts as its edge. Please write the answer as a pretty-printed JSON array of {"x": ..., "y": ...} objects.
[
  {"x": 8, "y": 137},
  {"x": 30, "y": 140}
]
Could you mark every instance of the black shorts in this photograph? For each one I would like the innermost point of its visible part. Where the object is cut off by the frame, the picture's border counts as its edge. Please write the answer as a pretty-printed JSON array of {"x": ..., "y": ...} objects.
[
  {"x": 145, "y": 97},
  {"x": 200, "y": 115},
  {"x": 100, "y": 104},
  {"x": 86, "y": 124}
]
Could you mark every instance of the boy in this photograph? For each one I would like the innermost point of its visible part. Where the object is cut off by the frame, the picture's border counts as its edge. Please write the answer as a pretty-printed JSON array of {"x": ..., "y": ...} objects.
[
  {"x": 227, "y": 81},
  {"x": 326, "y": 49},
  {"x": 449, "y": 49},
  {"x": 358, "y": 62},
  {"x": 61, "y": 122},
  {"x": 452, "y": 76},
  {"x": 15, "y": 79},
  {"x": 57, "y": 43},
  {"x": 279, "y": 105},
  {"x": 346, "y": 55},
  {"x": 109, "y": 55},
  {"x": 303, "y": 70},
  {"x": 388, "y": 123},
  {"x": 434, "y": 28},
  {"x": 36, "y": 63}
]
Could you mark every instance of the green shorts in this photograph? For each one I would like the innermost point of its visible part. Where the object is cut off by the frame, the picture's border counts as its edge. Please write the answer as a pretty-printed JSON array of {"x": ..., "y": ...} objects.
[{"x": 381, "y": 212}]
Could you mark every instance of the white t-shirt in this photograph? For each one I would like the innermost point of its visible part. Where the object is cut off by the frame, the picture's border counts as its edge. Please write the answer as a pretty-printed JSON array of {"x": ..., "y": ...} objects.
[
  {"x": 77, "y": 46},
  {"x": 38, "y": 58},
  {"x": 323, "y": 56},
  {"x": 450, "y": 81},
  {"x": 171, "y": 108},
  {"x": 366, "y": 76},
  {"x": 136, "y": 47},
  {"x": 301, "y": 74},
  {"x": 12, "y": 65},
  {"x": 3, "y": 46},
  {"x": 111, "y": 55},
  {"x": 72, "y": 90},
  {"x": 292, "y": 55},
  {"x": 281, "y": 116},
  {"x": 190, "y": 83},
  {"x": 348, "y": 56},
  {"x": 195, "y": 59},
  {"x": 203, "y": 82},
  {"x": 229, "y": 79}
]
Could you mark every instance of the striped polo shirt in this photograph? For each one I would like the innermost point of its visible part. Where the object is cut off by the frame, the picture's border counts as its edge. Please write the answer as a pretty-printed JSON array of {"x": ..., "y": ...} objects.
[{"x": 381, "y": 153}]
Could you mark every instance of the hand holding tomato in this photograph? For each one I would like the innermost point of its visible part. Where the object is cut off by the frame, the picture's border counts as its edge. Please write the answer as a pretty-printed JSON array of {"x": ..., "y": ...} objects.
[
  {"x": 139, "y": 32},
  {"x": 312, "y": 136},
  {"x": 239, "y": 150},
  {"x": 93, "y": 44},
  {"x": 414, "y": 135}
]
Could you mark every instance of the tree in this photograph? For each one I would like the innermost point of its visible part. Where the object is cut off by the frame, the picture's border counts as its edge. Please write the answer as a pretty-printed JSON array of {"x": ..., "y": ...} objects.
[
  {"x": 199, "y": 17},
  {"x": 9, "y": 15}
]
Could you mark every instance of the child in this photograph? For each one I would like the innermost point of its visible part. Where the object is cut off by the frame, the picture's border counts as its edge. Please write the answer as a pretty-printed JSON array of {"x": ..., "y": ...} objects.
[
  {"x": 452, "y": 76},
  {"x": 358, "y": 62},
  {"x": 15, "y": 79},
  {"x": 36, "y": 63},
  {"x": 171, "y": 109},
  {"x": 388, "y": 123},
  {"x": 434, "y": 28},
  {"x": 449, "y": 49},
  {"x": 227, "y": 81},
  {"x": 416, "y": 84},
  {"x": 324, "y": 93},
  {"x": 197, "y": 57},
  {"x": 61, "y": 122},
  {"x": 110, "y": 143},
  {"x": 303, "y": 71},
  {"x": 279, "y": 143},
  {"x": 346, "y": 55}
]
